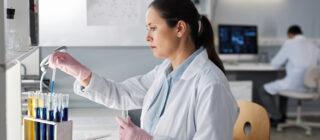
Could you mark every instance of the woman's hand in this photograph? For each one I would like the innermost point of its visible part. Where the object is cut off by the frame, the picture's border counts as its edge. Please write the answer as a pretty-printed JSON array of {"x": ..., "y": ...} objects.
[
  {"x": 69, "y": 65},
  {"x": 129, "y": 131}
]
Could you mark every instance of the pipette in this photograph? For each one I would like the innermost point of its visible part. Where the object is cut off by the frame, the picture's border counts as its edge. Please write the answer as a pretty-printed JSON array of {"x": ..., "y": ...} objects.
[{"x": 53, "y": 79}]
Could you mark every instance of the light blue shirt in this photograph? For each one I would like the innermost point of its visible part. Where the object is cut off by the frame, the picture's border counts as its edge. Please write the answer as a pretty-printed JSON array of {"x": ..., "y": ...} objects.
[{"x": 158, "y": 105}]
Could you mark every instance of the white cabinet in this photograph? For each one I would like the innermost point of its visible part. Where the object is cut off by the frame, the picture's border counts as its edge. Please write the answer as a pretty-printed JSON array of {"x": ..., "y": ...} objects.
[
  {"x": 12, "y": 94},
  {"x": 10, "y": 72},
  {"x": 10, "y": 97},
  {"x": 3, "y": 130}
]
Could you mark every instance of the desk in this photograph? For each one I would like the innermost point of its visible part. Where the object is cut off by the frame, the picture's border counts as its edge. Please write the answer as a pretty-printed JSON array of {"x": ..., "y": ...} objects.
[
  {"x": 258, "y": 73},
  {"x": 250, "y": 67},
  {"x": 94, "y": 123},
  {"x": 241, "y": 90}
]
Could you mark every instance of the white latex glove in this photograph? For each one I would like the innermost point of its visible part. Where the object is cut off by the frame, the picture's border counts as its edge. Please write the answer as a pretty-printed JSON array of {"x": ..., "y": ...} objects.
[
  {"x": 129, "y": 131},
  {"x": 69, "y": 65}
]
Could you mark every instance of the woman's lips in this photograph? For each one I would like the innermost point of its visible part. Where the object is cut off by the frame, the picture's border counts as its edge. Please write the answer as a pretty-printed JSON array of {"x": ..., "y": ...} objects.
[{"x": 152, "y": 47}]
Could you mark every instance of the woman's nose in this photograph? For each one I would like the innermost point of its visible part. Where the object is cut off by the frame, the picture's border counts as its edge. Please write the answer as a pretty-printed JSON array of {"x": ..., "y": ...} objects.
[{"x": 148, "y": 38}]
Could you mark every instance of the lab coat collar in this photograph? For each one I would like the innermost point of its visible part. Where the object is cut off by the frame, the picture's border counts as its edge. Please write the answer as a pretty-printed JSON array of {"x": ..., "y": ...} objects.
[
  {"x": 196, "y": 65},
  {"x": 177, "y": 73},
  {"x": 299, "y": 37}
]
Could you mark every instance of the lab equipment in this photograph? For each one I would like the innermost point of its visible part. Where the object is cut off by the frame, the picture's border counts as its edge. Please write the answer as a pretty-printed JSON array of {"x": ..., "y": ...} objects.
[
  {"x": 65, "y": 104},
  {"x": 39, "y": 104},
  {"x": 52, "y": 112},
  {"x": 50, "y": 129},
  {"x": 43, "y": 126},
  {"x": 53, "y": 79},
  {"x": 58, "y": 107},
  {"x": 30, "y": 124},
  {"x": 124, "y": 106},
  {"x": 38, "y": 107},
  {"x": 44, "y": 117}
]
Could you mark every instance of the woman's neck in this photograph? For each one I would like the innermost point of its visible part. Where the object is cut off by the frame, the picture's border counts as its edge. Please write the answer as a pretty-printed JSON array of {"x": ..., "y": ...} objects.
[{"x": 182, "y": 53}]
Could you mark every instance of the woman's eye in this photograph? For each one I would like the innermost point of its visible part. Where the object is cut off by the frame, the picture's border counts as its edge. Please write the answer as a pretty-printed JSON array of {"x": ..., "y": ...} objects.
[{"x": 152, "y": 28}]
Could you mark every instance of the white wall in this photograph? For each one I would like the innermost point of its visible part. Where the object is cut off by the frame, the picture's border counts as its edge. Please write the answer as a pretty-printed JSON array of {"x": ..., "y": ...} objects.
[
  {"x": 273, "y": 17},
  {"x": 65, "y": 22}
]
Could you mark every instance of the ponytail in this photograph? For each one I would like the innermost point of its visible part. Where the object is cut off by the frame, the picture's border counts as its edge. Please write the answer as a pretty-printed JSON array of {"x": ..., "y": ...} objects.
[{"x": 205, "y": 38}]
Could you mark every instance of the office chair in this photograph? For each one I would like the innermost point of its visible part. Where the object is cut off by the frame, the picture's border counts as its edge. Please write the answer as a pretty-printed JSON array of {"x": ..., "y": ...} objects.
[
  {"x": 253, "y": 122},
  {"x": 311, "y": 81}
]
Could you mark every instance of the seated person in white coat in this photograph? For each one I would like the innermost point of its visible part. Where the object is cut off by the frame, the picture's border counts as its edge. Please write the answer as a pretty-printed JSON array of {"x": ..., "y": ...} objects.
[
  {"x": 186, "y": 97},
  {"x": 297, "y": 55}
]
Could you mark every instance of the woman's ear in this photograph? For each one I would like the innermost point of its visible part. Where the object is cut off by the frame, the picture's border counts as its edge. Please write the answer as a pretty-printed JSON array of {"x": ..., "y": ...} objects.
[{"x": 181, "y": 28}]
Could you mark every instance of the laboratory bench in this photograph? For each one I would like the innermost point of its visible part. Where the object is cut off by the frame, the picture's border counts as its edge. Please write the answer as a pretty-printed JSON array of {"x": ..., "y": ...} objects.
[
  {"x": 94, "y": 123},
  {"x": 257, "y": 73}
]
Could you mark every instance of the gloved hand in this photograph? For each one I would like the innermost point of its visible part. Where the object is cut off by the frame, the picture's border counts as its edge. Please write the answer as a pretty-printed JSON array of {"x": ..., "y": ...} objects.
[
  {"x": 69, "y": 65},
  {"x": 129, "y": 131}
]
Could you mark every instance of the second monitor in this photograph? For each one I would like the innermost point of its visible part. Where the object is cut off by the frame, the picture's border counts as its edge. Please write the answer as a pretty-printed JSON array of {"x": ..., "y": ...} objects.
[{"x": 238, "y": 39}]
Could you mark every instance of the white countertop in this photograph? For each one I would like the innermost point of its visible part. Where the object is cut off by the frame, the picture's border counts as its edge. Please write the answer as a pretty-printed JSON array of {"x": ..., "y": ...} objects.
[
  {"x": 94, "y": 124},
  {"x": 247, "y": 66}
]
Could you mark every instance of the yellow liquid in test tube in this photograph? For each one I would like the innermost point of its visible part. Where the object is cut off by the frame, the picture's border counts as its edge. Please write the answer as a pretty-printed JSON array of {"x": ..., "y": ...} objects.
[{"x": 29, "y": 134}]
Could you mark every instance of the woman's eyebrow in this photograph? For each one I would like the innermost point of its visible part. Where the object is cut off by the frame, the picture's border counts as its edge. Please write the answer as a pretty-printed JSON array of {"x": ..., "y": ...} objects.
[{"x": 149, "y": 24}]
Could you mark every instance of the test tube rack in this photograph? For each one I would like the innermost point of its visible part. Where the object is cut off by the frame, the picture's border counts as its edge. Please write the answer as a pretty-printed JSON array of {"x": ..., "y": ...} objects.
[{"x": 62, "y": 130}]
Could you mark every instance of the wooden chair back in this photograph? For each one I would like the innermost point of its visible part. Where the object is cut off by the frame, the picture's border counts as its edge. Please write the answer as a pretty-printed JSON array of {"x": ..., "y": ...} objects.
[{"x": 253, "y": 122}]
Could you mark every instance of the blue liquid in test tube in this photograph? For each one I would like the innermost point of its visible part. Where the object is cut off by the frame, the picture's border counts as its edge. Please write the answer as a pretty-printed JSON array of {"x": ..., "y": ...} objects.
[
  {"x": 65, "y": 104},
  {"x": 51, "y": 127},
  {"x": 58, "y": 116},
  {"x": 44, "y": 115},
  {"x": 37, "y": 124},
  {"x": 43, "y": 126},
  {"x": 51, "y": 116},
  {"x": 39, "y": 105},
  {"x": 65, "y": 114},
  {"x": 59, "y": 107}
]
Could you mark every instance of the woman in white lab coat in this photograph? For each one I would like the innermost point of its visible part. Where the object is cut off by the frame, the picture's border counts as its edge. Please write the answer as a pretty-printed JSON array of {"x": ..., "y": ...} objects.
[
  {"x": 186, "y": 97},
  {"x": 297, "y": 54}
]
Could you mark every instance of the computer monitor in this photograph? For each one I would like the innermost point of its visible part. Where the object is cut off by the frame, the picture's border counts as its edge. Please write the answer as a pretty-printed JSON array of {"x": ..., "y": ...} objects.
[{"x": 238, "y": 41}]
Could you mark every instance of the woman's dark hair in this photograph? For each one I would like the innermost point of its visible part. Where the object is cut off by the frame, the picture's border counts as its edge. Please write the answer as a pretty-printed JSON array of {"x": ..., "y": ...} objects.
[
  {"x": 295, "y": 30},
  {"x": 175, "y": 10}
]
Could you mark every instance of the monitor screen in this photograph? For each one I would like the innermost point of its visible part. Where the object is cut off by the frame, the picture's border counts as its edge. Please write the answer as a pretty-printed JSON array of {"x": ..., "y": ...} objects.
[{"x": 238, "y": 39}]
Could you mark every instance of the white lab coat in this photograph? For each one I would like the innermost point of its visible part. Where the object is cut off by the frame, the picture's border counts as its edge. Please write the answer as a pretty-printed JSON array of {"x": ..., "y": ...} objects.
[
  {"x": 200, "y": 104},
  {"x": 297, "y": 54}
]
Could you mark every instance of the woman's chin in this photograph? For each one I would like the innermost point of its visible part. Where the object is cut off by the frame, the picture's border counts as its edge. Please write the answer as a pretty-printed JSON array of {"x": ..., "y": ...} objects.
[{"x": 157, "y": 55}]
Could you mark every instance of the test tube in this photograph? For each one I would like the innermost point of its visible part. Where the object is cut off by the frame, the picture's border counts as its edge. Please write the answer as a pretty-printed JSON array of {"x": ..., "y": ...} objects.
[
  {"x": 65, "y": 104},
  {"x": 46, "y": 106},
  {"x": 38, "y": 107},
  {"x": 44, "y": 116},
  {"x": 59, "y": 107},
  {"x": 29, "y": 125},
  {"x": 51, "y": 117},
  {"x": 124, "y": 108},
  {"x": 52, "y": 107},
  {"x": 39, "y": 104},
  {"x": 31, "y": 104}
]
